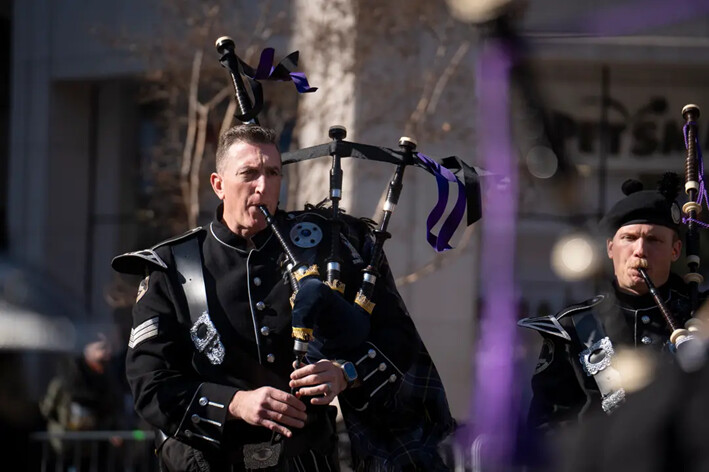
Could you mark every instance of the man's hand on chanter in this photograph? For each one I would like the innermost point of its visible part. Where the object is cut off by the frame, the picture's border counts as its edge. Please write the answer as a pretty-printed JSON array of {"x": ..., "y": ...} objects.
[
  {"x": 323, "y": 381},
  {"x": 268, "y": 407}
]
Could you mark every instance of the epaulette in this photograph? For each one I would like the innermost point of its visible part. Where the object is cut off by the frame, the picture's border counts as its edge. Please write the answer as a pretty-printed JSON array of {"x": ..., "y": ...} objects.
[
  {"x": 137, "y": 262},
  {"x": 551, "y": 325}
]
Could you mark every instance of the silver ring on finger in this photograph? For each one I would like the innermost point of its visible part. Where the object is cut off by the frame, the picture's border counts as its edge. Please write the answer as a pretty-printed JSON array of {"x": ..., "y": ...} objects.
[{"x": 328, "y": 388}]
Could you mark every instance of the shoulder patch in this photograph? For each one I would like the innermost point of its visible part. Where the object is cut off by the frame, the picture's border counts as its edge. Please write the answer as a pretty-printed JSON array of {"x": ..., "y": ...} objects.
[
  {"x": 546, "y": 356},
  {"x": 142, "y": 288},
  {"x": 144, "y": 331}
]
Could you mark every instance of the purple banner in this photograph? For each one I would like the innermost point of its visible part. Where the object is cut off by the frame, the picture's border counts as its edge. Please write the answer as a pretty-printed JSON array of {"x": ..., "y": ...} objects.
[{"x": 493, "y": 417}]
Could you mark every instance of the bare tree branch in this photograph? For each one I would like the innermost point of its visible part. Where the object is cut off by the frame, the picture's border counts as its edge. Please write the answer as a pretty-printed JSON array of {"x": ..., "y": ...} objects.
[
  {"x": 438, "y": 262},
  {"x": 443, "y": 79},
  {"x": 219, "y": 97},
  {"x": 203, "y": 114},
  {"x": 228, "y": 118},
  {"x": 187, "y": 153}
]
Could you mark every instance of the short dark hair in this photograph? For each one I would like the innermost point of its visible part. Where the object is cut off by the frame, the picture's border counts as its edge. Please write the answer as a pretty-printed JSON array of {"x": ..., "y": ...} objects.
[{"x": 249, "y": 133}]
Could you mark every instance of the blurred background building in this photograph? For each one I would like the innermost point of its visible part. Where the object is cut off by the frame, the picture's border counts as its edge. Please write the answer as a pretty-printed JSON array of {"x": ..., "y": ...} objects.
[{"x": 95, "y": 106}]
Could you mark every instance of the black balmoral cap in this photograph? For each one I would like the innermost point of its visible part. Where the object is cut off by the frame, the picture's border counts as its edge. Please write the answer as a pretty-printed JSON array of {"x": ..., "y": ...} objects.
[{"x": 655, "y": 207}]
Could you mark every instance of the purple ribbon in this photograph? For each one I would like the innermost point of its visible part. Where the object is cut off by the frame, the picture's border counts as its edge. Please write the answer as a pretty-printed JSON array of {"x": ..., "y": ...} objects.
[
  {"x": 443, "y": 176},
  {"x": 265, "y": 64},
  {"x": 301, "y": 82},
  {"x": 686, "y": 220},
  {"x": 702, "y": 192},
  {"x": 494, "y": 405},
  {"x": 282, "y": 71}
]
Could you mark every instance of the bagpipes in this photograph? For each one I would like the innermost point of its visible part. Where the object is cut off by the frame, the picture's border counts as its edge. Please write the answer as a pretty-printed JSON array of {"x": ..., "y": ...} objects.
[
  {"x": 696, "y": 193},
  {"x": 685, "y": 339},
  {"x": 311, "y": 295}
]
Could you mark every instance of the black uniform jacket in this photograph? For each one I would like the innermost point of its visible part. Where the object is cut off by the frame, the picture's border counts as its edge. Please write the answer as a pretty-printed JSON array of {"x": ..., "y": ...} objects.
[
  {"x": 562, "y": 392},
  {"x": 662, "y": 427},
  {"x": 179, "y": 390}
]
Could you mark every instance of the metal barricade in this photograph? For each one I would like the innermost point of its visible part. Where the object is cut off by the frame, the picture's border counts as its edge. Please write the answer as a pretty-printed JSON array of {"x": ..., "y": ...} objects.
[
  {"x": 134, "y": 451},
  {"x": 96, "y": 451}
]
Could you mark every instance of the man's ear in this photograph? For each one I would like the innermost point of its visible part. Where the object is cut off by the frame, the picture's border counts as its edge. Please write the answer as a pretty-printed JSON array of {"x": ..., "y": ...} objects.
[
  {"x": 676, "y": 249},
  {"x": 217, "y": 184},
  {"x": 609, "y": 248}
]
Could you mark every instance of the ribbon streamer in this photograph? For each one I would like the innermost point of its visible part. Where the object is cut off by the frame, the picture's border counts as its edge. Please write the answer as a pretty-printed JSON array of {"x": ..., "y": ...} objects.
[
  {"x": 283, "y": 71},
  {"x": 469, "y": 193},
  {"x": 443, "y": 176}
]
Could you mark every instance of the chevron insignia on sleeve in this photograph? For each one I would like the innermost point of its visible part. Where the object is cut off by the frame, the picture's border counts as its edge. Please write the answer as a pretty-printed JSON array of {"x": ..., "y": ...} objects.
[{"x": 144, "y": 331}]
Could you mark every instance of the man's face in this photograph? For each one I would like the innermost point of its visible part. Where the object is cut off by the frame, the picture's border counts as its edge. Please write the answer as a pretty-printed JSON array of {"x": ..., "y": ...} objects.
[
  {"x": 656, "y": 244},
  {"x": 251, "y": 176}
]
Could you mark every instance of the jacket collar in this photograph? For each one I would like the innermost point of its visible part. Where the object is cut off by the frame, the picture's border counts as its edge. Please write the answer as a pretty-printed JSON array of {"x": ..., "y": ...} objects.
[
  {"x": 637, "y": 302},
  {"x": 225, "y": 236}
]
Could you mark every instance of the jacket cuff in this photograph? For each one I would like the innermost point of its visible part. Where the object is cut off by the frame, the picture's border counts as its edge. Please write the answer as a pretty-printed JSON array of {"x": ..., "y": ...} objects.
[{"x": 206, "y": 415}]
